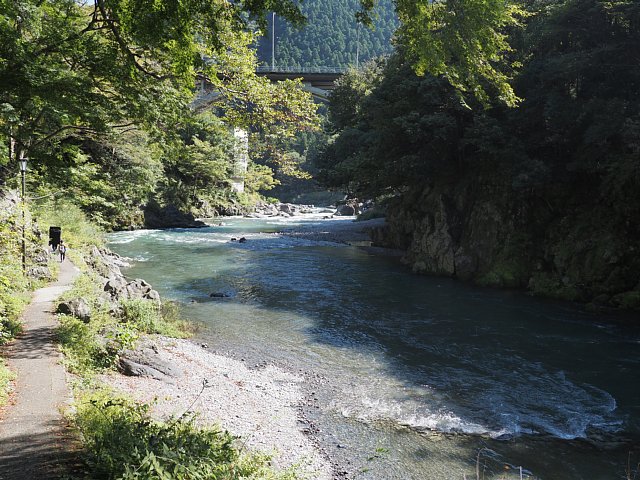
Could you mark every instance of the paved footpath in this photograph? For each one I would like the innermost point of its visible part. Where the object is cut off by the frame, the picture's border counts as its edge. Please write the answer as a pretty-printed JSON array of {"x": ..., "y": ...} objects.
[{"x": 34, "y": 444}]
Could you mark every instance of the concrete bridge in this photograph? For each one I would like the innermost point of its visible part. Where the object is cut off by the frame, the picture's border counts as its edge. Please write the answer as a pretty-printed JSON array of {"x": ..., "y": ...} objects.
[{"x": 318, "y": 81}]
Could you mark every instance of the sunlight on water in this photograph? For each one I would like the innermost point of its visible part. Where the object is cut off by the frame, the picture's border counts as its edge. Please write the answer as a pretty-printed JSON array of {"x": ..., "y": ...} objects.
[{"x": 412, "y": 362}]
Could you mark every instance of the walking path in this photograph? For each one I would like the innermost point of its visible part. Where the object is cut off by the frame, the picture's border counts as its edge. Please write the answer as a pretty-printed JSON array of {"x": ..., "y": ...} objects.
[{"x": 33, "y": 434}]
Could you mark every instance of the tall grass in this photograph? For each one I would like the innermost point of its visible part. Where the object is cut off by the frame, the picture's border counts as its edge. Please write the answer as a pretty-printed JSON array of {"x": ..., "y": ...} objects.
[{"x": 6, "y": 376}]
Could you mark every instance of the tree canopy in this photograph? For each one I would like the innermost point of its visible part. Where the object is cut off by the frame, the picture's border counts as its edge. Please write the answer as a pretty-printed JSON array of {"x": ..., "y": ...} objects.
[
  {"x": 465, "y": 41},
  {"x": 76, "y": 77},
  {"x": 578, "y": 121},
  {"x": 68, "y": 66}
]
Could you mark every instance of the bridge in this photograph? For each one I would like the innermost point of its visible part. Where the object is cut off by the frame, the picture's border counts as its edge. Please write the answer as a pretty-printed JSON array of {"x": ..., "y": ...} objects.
[{"x": 318, "y": 81}]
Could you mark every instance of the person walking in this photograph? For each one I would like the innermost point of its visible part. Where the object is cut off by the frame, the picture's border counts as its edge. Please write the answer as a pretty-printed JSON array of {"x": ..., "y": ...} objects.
[{"x": 62, "y": 248}]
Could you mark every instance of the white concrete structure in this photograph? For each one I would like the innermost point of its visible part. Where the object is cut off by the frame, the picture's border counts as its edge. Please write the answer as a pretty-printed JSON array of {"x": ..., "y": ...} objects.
[{"x": 241, "y": 159}]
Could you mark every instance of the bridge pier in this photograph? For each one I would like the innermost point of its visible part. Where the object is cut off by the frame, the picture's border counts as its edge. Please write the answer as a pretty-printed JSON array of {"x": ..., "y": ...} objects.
[{"x": 241, "y": 159}]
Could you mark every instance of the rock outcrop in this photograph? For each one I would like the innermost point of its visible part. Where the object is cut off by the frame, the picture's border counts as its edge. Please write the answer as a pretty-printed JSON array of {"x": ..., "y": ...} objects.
[
  {"x": 487, "y": 234},
  {"x": 147, "y": 360},
  {"x": 78, "y": 307},
  {"x": 169, "y": 216},
  {"x": 116, "y": 287}
]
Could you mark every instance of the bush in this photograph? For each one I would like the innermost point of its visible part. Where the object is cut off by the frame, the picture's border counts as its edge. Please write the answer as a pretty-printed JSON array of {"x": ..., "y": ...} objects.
[
  {"x": 14, "y": 286},
  {"x": 124, "y": 442},
  {"x": 150, "y": 317},
  {"x": 77, "y": 231},
  {"x": 96, "y": 346},
  {"x": 6, "y": 376}
]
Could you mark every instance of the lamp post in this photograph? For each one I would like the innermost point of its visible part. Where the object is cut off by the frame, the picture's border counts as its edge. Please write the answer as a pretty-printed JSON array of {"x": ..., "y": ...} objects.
[{"x": 23, "y": 170}]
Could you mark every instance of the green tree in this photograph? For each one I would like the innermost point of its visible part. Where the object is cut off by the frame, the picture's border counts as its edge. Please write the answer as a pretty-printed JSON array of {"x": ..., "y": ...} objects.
[
  {"x": 72, "y": 68},
  {"x": 73, "y": 77},
  {"x": 465, "y": 41}
]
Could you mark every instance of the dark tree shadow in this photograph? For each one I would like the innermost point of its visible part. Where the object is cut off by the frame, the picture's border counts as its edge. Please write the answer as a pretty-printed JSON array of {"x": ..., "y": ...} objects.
[{"x": 47, "y": 456}]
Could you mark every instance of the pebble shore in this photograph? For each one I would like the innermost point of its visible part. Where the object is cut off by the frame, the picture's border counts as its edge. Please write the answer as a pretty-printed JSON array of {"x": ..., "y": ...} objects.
[{"x": 261, "y": 405}]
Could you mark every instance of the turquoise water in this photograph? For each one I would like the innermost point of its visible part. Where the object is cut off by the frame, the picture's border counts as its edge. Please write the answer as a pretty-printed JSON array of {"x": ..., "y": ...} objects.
[{"x": 420, "y": 373}]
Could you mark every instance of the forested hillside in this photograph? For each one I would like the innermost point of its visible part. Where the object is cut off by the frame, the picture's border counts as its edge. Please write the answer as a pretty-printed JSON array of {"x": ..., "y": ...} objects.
[
  {"x": 544, "y": 196},
  {"x": 331, "y": 37}
]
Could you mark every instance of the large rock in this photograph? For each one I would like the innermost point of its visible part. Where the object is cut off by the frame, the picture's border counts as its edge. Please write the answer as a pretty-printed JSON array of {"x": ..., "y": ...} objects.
[
  {"x": 42, "y": 256},
  {"x": 169, "y": 216},
  {"x": 106, "y": 263},
  {"x": 348, "y": 208},
  {"x": 120, "y": 289},
  {"x": 40, "y": 273},
  {"x": 78, "y": 307},
  {"x": 148, "y": 361}
]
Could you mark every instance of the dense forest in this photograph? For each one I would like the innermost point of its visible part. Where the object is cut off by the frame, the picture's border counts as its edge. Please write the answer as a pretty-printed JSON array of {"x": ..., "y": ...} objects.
[
  {"x": 332, "y": 36},
  {"x": 545, "y": 195},
  {"x": 99, "y": 98}
]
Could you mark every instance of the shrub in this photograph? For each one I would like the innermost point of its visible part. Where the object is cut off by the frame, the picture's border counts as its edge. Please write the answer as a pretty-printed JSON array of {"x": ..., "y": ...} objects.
[
  {"x": 124, "y": 442},
  {"x": 14, "y": 287},
  {"x": 6, "y": 376},
  {"x": 150, "y": 317}
]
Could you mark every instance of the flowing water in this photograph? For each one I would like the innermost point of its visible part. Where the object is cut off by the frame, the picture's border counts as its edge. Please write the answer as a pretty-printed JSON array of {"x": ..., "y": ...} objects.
[{"x": 426, "y": 377}]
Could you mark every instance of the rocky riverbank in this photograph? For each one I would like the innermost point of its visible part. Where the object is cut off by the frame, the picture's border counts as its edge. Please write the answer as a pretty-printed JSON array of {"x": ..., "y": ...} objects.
[
  {"x": 260, "y": 404},
  {"x": 482, "y": 233},
  {"x": 338, "y": 230}
]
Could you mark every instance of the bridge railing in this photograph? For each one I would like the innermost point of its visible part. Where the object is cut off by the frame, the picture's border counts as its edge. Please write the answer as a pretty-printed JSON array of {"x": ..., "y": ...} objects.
[{"x": 278, "y": 69}]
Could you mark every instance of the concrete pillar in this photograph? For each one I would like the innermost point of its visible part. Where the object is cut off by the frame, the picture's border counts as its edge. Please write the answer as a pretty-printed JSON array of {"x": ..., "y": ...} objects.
[{"x": 241, "y": 159}]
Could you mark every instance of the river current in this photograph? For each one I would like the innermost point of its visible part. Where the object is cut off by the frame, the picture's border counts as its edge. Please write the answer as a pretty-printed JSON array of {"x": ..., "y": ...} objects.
[{"x": 425, "y": 377}]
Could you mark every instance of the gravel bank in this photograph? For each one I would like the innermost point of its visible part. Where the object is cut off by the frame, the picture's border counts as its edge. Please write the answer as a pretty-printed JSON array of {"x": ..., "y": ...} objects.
[{"x": 260, "y": 405}]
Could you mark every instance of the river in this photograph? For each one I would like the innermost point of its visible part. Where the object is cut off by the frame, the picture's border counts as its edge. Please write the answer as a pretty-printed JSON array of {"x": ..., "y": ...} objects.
[{"x": 424, "y": 377}]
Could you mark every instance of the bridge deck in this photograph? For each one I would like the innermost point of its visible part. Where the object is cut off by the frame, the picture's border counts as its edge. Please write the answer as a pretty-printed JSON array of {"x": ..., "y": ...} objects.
[{"x": 324, "y": 81}]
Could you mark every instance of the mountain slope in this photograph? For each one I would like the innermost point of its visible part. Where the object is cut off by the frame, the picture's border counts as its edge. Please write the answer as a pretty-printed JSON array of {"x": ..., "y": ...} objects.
[{"x": 331, "y": 38}]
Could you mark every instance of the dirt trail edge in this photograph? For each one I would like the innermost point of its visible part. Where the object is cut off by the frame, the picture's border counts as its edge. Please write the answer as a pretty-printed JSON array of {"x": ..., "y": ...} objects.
[{"x": 32, "y": 434}]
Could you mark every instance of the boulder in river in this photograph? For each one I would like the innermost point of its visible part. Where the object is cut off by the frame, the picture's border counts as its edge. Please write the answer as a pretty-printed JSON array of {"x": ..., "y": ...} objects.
[{"x": 348, "y": 208}]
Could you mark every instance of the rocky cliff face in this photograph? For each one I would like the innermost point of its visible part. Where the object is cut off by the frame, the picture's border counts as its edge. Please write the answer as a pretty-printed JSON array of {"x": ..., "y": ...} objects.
[
  {"x": 489, "y": 235},
  {"x": 169, "y": 216}
]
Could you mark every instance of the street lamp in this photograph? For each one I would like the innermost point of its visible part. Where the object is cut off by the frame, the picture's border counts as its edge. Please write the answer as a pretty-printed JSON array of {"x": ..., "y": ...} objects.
[{"x": 23, "y": 170}]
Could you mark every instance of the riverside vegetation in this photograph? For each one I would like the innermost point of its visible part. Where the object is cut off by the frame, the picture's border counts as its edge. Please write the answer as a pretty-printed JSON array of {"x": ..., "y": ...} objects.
[
  {"x": 543, "y": 196},
  {"x": 119, "y": 437}
]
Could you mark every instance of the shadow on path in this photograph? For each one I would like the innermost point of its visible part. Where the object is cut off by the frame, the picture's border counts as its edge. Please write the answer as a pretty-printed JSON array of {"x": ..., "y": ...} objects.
[{"x": 34, "y": 440}]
